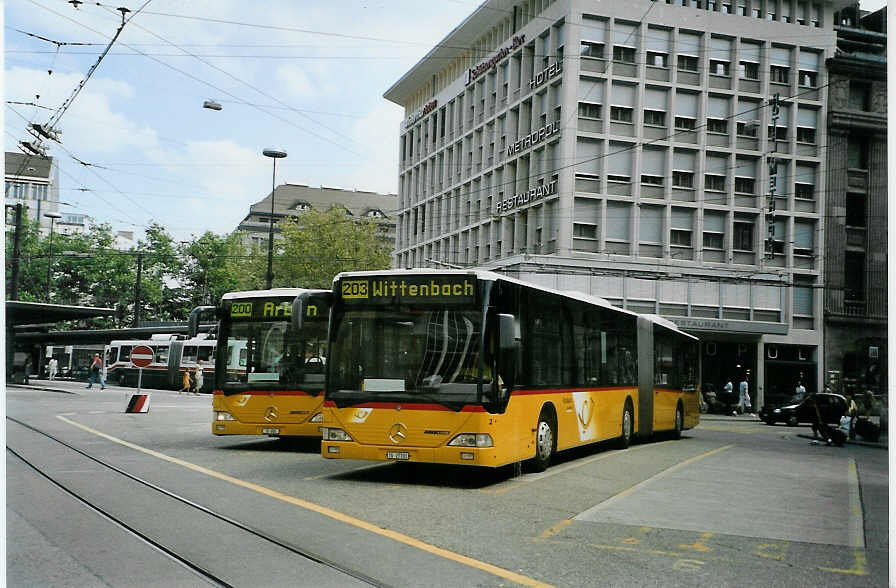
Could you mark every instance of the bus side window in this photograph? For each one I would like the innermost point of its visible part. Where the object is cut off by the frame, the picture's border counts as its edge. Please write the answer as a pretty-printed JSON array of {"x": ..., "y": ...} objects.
[
  {"x": 206, "y": 353},
  {"x": 162, "y": 354},
  {"x": 124, "y": 354},
  {"x": 113, "y": 355},
  {"x": 189, "y": 355}
]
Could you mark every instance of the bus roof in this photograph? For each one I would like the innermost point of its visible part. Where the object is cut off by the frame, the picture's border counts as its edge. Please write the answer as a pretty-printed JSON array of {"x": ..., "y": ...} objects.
[
  {"x": 493, "y": 276},
  {"x": 272, "y": 292}
]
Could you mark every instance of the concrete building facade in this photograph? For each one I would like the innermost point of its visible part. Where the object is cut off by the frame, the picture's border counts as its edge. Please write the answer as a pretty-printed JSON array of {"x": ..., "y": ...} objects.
[
  {"x": 855, "y": 272},
  {"x": 33, "y": 181},
  {"x": 291, "y": 200},
  {"x": 635, "y": 151}
]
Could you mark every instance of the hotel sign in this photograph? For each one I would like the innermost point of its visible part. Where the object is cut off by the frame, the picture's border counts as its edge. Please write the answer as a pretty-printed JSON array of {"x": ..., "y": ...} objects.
[
  {"x": 523, "y": 198},
  {"x": 475, "y": 72},
  {"x": 546, "y": 74},
  {"x": 426, "y": 109},
  {"x": 534, "y": 138}
]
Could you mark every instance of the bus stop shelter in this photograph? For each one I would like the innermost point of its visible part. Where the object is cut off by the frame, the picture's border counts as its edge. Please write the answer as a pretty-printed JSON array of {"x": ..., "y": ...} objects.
[{"x": 37, "y": 314}]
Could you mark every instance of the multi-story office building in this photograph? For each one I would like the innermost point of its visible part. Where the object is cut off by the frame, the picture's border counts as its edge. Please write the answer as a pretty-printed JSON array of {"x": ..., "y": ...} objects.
[
  {"x": 291, "y": 200},
  {"x": 32, "y": 180},
  {"x": 634, "y": 150},
  {"x": 855, "y": 271}
]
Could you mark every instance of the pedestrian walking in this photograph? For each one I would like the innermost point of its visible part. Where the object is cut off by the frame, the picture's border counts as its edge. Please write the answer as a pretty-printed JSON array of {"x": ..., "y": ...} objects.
[
  {"x": 852, "y": 411},
  {"x": 800, "y": 392},
  {"x": 186, "y": 382},
  {"x": 96, "y": 372},
  {"x": 197, "y": 377},
  {"x": 53, "y": 366},
  {"x": 743, "y": 396},
  {"x": 729, "y": 391}
]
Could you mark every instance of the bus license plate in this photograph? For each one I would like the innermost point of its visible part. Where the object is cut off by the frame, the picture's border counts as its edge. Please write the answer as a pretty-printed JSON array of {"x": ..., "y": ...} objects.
[
  {"x": 397, "y": 455},
  {"x": 270, "y": 431}
]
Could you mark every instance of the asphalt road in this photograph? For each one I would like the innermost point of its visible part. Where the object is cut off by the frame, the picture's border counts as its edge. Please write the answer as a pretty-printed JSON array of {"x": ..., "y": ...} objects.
[{"x": 734, "y": 503}]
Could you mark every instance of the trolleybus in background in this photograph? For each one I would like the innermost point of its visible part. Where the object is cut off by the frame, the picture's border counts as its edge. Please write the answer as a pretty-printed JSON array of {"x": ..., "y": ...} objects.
[
  {"x": 471, "y": 367},
  {"x": 172, "y": 356},
  {"x": 280, "y": 336}
]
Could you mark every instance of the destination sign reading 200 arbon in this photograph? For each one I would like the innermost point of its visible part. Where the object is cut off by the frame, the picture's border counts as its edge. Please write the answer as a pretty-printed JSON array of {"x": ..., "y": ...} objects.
[
  {"x": 273, "y": 309},
  {"x": 409, "y": 290}
]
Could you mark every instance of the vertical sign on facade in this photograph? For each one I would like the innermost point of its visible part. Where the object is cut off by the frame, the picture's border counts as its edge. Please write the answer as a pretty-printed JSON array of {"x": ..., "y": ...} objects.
[{"x": 772, "y": 181}]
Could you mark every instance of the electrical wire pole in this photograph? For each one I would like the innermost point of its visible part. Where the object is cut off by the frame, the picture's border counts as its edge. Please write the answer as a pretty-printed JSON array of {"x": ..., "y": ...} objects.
[
  {"x": 137, "y": 291},
  {"x": 16, "y": 254}
]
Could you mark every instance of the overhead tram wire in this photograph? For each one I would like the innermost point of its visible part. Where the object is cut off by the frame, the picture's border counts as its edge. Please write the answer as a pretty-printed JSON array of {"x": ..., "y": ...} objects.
[
  {"x": 201, "y": 81},
  {"x": 250, "y": 86},
  {"x": 91, "y": 166}
]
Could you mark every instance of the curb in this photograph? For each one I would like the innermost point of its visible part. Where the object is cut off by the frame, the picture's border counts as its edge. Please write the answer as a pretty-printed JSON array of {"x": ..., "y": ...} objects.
[
  {"x": 41, "y": 388},
  {"x": 849, "y": 442}
]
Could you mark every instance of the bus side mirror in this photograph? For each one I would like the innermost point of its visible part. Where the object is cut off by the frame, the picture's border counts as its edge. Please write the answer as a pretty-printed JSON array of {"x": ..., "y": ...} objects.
[
  {"x": 309, "y": 305},
  {"x": 195, "y": 314},
  {"x": 508, "y": 333}
]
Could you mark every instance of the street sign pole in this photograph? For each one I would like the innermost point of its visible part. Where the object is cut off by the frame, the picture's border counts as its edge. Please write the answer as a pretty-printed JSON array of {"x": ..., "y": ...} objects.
[{"x": 141, "y": 357}]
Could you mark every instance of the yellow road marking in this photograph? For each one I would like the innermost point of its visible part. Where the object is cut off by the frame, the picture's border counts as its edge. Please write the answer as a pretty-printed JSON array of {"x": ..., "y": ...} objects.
[
  {"x": 856, "y": 521},
  {"x": 699, "y": 544},
  {"x": 775, "y": 551},
  {"x": 858, "y": 568},
  {"x": 856, "y": 526},
  {"x": 328, "y": 512},
  {"x": 653, "y": 478},
  {"x": 553, "y": 530}
]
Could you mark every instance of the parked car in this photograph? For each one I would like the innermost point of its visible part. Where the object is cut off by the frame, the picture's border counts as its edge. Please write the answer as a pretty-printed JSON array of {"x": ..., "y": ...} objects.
[{"x": 830, "y": 406}]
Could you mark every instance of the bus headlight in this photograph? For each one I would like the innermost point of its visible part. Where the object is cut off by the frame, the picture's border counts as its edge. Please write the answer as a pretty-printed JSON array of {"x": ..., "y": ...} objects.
[
  {"x": 472, "y": 440},
  {"x": 318, "y": 418},
  {"x": 331, "y": 434},
  {"x": 221, "y": 415},
  {"x": 777, "y": 411}
]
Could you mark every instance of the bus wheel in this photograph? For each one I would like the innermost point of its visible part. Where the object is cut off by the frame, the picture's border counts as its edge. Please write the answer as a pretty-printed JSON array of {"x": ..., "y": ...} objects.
[
  {"x": 625, "y": 439},
  {"x": 679, "y": 423},
  {"x": 544, "y": 443}
]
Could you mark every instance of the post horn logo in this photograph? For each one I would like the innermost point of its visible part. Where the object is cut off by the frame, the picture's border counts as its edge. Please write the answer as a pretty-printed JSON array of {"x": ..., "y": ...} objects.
[
  {"x": 270, "y": 413},
  {"x": 398, "y": 433}
]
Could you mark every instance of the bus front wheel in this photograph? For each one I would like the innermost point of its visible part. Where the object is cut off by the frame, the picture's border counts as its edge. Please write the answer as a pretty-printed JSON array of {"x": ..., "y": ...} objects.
[
  {"x": 625, "y": 439},
  {"x": 544, "y": 443},
  {"x": 679, "y": 423}
]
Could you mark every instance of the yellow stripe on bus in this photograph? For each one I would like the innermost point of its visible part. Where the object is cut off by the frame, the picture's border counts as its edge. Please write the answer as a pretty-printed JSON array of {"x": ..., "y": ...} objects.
[{"x": 348, "y": 519}]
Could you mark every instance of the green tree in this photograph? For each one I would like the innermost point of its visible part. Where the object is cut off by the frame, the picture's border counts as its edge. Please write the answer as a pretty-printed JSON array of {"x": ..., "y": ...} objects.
[
  {"x": 212, "y": 265},
  {"x": 318, "y": 244}
]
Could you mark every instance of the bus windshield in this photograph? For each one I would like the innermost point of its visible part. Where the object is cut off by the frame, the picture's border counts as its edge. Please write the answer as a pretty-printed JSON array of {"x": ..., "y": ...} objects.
[
  {"x": 273, "y": 356},
  {"x": 406, "y": 355}
]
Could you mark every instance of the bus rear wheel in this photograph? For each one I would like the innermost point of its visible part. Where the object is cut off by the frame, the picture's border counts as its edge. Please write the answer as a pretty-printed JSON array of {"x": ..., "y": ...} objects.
[
  {"x": 544, "y": 443},
  {"x": 679, "y": 423},
  {"x": 625, "y": 439}
]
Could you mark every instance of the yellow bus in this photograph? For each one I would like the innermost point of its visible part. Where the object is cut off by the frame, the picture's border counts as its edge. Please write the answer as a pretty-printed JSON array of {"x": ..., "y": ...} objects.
[
  {"x": 472, "y": 367},
  {"x": 269, "y": 371}
]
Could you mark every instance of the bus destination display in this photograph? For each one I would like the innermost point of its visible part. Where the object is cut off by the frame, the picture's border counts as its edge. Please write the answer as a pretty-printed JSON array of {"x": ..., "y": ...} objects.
[
  {"x": 275, "y": 309},
  {"x": 409, "y": 290}
]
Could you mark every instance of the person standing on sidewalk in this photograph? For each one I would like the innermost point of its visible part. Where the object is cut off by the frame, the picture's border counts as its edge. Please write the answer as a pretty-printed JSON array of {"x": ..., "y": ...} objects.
[
  {"x": 744, "y": 405},
  {"x": 197, "y": 378},
  {"x": 96, "y": 372},
  {"x": 53, "y": 366}
]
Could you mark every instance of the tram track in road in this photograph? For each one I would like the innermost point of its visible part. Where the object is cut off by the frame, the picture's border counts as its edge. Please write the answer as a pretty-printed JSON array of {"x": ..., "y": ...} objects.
[{"x": 198, "y": 568}]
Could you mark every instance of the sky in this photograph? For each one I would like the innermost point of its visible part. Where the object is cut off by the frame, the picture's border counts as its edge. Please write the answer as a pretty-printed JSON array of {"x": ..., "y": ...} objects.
[{"x": 303, "y": 76}]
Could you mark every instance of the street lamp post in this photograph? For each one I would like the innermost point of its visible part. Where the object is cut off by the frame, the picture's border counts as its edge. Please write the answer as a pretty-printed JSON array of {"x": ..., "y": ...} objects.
[
  {"x": 274, "y": 154},
  {"x": 52, "y": 216}
]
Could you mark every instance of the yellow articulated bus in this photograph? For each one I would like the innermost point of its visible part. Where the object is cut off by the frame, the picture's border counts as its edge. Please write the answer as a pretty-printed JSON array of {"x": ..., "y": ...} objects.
[
  {"x": 270, "y": 381},
  {"x": 471, "y": 367}
]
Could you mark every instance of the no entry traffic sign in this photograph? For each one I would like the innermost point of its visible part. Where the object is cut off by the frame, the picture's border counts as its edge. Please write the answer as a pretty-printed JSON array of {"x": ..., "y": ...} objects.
[{"x": 141, "y": 356}]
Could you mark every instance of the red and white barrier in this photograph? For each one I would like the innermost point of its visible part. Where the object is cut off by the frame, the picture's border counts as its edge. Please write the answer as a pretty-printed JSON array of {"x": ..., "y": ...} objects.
[{"x": 138, "y": 403}]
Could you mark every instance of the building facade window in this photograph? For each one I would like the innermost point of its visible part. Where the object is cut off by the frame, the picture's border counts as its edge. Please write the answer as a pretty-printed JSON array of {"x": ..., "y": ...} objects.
[{"x": 743, "y": 236}]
